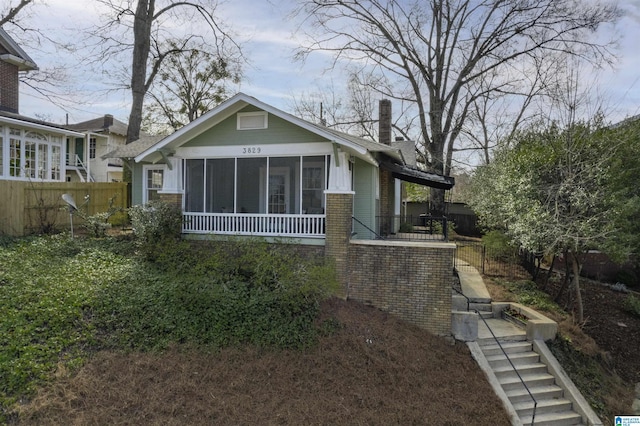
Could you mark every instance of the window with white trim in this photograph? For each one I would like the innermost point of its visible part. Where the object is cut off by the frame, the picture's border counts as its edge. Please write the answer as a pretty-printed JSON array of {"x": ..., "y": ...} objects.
[
  {"x": 92, "y": 148},
  {"x": 15, "y": 152},
  {"x": 32, "y": 155},
  {"x": 153, "y": 181}
]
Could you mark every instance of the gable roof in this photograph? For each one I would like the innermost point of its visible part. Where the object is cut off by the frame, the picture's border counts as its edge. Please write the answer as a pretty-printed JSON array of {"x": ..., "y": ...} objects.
[
  {"x": 357, "y": 146},
  {"x": 133, "y": 149},
  {"x": 13, "y": 54},
  {"x": 12, "y": 118},
  {"x": 106, "y": 124}
]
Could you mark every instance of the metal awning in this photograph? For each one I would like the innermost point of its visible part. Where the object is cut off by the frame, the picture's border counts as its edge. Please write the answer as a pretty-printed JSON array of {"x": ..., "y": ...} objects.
[{"x": 409, "y": 174}]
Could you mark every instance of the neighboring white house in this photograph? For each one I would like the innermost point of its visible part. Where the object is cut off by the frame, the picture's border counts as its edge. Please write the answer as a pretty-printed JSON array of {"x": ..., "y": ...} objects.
[
  {"x": 34, "y": 149},
  {"x": 30, "y": 149},
  {"x": 102, "y": 135}
]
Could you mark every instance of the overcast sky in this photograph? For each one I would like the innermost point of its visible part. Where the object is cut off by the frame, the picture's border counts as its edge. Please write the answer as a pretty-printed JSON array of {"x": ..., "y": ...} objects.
[{"x": 263, "y": 29}]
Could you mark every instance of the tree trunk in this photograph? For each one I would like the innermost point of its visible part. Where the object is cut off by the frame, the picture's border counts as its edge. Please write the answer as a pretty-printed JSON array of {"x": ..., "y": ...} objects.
[
  {"x": 141, "y": 47},
  {"x": 575, "y": 266},
  {"x": 546, "y": 280},
  {"x": 567, "y": 274}
]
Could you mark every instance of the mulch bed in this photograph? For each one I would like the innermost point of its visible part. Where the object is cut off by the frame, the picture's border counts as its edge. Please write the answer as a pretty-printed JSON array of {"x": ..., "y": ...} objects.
[
  {"x": 614, "y": 330},
  {"x": 375, "y": 370}
]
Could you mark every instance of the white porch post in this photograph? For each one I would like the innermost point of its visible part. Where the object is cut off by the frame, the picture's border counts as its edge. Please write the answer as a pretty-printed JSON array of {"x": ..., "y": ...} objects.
[{"x": 339, "y": 173}]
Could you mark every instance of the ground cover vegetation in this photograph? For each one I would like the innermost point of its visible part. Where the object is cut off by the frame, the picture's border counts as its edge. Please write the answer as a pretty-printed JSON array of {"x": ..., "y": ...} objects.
[{"x": 62, "y": 299}]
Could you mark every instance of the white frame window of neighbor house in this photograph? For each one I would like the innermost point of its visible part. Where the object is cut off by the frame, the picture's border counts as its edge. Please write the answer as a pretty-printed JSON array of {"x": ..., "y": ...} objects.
[
  {"x": 29, "y": 154},
  {"x": 252, "y": 120},
  {"x": 92, "y": 148},
  {"x": 153, "y": 179}
]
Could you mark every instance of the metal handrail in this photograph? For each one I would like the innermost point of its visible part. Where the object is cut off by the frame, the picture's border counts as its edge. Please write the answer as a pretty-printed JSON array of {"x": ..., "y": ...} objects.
[
  {"x": 463, "y": 295},
  {"x": 378, "y": 237},
  {"x": 535, "y": 403}
]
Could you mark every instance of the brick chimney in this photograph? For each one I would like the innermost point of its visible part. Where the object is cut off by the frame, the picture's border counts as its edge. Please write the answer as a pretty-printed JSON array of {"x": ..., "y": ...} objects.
[
  {"x": 108, "y": 121},
  {"x": 8, "y": 87},
  {"x": 384, "y": 122}
]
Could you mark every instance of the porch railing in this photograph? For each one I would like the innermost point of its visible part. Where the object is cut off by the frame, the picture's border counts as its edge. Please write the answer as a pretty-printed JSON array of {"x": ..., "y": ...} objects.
[
  {"x": 421, "y": 227},
  {"x": 272, "y": 225}
]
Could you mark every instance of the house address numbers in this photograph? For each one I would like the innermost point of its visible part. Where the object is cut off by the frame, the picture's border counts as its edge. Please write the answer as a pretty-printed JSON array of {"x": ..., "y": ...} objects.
[{"x": 251, "y": 150}]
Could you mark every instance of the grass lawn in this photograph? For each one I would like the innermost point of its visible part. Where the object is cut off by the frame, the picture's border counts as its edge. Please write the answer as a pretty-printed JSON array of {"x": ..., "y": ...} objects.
[{"x": 91, "y": 332}]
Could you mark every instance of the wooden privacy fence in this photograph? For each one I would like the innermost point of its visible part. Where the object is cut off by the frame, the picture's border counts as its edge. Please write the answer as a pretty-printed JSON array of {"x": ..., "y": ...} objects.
[{"x": 35, "y": 207}]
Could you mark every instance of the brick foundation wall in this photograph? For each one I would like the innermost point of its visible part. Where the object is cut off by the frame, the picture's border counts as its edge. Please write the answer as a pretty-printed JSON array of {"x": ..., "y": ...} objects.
[
  {"x": 411, "y": 280},
  {"x": 338, "y": 232},
  {"x": 9, "y": 85}
]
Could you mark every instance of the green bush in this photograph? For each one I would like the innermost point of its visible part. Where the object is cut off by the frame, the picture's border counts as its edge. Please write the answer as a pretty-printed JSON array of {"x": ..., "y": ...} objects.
[
  {"x": 218, "y": 294},
  {"x": 406, "y": 227},
  {"x": 498, "y": 245},
  {"x": 632, "y": 305},
  {"x": 155, "y": 225}
]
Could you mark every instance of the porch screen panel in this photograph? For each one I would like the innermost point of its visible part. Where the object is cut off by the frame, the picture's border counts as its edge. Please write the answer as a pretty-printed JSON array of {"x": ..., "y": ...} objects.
[
  {"x": 313, "y": 184},
  {"x": 251, "y": 189},
  {"x": 1, "y": 150},
  {"x": 194, "y": 185},
  {"x": 220, "y": 181},
  {"x": 284, "y": 185}
]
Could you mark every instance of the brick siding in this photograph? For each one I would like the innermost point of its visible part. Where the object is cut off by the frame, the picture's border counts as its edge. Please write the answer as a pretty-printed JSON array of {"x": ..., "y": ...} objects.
[
  {"x": 174, "y": 199},
  {"x": 411, "y": 280}
]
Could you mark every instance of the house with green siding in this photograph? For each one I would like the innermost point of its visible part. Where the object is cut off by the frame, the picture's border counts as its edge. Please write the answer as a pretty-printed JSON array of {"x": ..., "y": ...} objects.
[{"x": 249, "y": 169}]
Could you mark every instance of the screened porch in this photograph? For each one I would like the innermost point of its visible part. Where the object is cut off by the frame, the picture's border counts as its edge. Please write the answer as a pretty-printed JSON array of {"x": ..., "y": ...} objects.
[{"x": 262, "y": 196}]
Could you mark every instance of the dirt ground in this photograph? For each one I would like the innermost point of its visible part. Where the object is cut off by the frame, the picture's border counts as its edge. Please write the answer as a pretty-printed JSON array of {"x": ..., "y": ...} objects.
[
  {"x": 375, "y": 370},
  {"x": 615, "y": 331}
]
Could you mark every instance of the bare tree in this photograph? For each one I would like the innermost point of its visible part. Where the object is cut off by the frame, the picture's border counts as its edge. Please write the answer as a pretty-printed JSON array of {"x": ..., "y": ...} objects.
[
  {"x": 433, "y": 53},
  {"x": 150, "y": 32},
  {"x": 10, "y": 10},
  {"x": 190, "y": 84}
]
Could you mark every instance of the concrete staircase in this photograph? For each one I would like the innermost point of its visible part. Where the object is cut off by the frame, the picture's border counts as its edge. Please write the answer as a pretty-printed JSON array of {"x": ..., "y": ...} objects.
[{"x": 553, "y": 409}]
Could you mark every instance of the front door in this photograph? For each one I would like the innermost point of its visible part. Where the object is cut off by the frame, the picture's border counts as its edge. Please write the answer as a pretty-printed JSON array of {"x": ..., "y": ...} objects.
[
  {"x": 278, "y": 191},
  {"x": 79, "y": 151}
]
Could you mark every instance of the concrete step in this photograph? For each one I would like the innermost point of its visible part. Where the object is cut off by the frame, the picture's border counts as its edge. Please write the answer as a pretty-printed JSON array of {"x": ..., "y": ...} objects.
[
  {"x": 509, "y": 347},
  {"x": 487, "y": 340},
  {"x": 532, "y": 381},
  {"x": 518, "y": 358},
  {"x": 564, "y": 418},
  {"x": 535, "y": 368},
  {"x": 544, "y": 406},
  {"x": 514, "y": 382},
  {"x": 481, "y": 307},
  {"x": 538, "y": 392},
  {"x": 486, "y": 314}
]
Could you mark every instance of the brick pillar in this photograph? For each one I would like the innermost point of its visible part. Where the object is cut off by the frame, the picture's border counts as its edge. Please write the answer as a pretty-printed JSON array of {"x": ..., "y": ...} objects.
[
  {"x": 338, "y": 234},
  {"x": 175, "y": 199}
]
